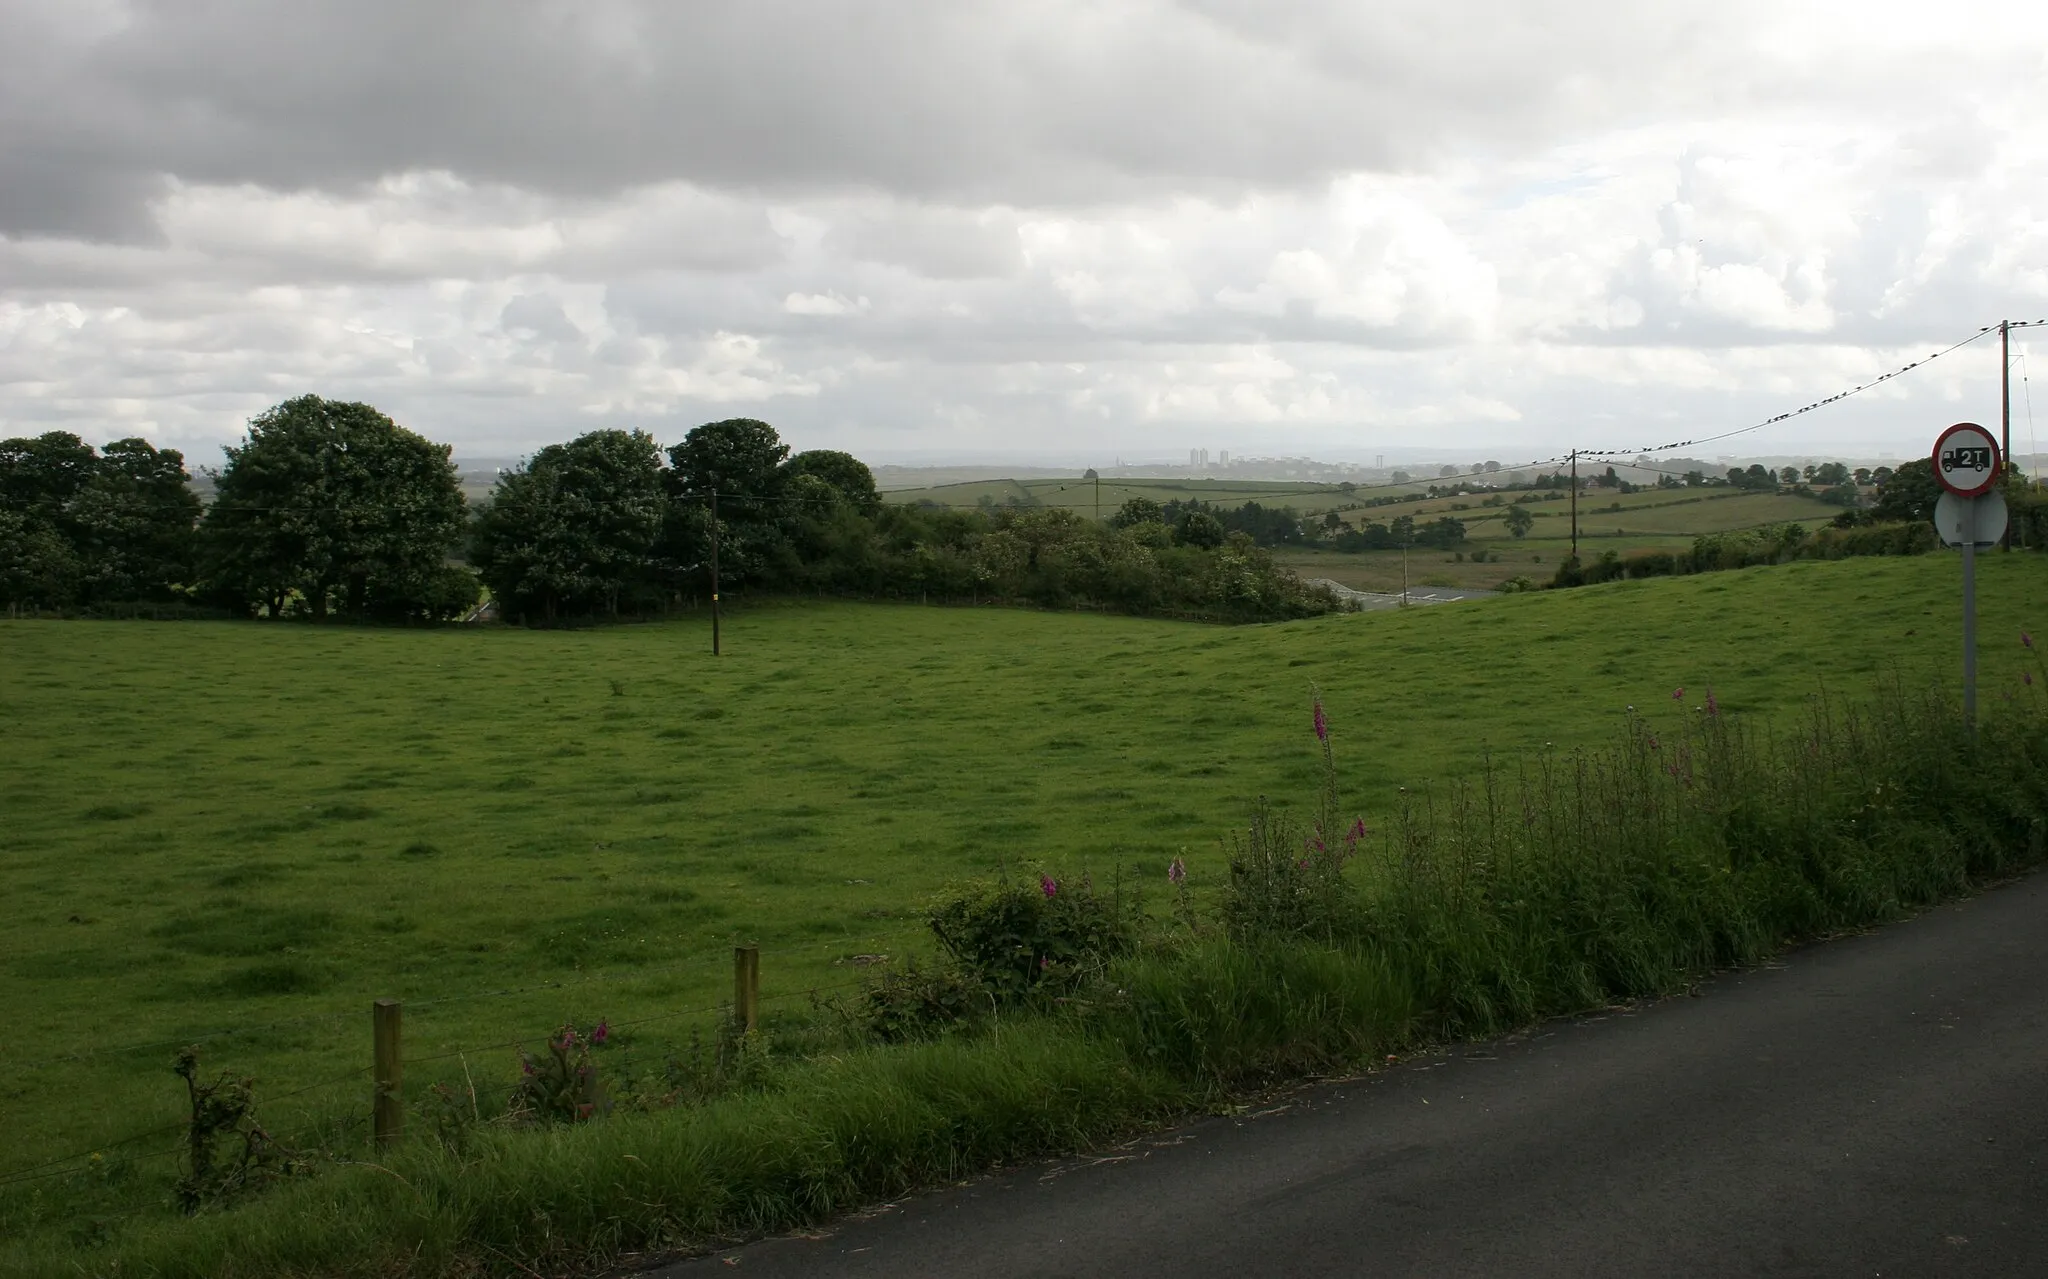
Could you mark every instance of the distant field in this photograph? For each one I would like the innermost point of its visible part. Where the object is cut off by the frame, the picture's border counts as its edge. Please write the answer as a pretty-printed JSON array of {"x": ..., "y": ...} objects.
[
  {"x": 208, "y": 826},
  {"x": 1080, "y": 495},
  {"x": 1659, "y": 519}
]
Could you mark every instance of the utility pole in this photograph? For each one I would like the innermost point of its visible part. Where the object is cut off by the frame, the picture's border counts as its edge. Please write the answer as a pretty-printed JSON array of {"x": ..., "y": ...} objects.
[
  {"x": 714, "y": 572},
  {"x": 2005, "y": 410},
  {"x": 1575, "y": 506}
]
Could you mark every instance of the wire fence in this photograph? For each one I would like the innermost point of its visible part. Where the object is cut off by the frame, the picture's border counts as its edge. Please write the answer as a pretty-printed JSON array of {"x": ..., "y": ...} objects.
[{"x": 743, "y": 1003}]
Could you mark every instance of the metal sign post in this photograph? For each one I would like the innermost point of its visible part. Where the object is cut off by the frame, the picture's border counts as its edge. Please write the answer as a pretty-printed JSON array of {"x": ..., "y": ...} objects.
[{"x": 1966, "y": 463}]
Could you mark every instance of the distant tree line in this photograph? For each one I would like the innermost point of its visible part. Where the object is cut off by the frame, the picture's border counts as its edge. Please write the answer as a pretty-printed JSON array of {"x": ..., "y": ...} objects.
[{"x": 331, "y": 509}]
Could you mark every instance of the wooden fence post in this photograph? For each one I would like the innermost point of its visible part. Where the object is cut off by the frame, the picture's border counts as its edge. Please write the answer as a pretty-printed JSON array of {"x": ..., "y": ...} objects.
[
  {"x": 746, "y": 986},
  {"x": 387, "y": 1112}
]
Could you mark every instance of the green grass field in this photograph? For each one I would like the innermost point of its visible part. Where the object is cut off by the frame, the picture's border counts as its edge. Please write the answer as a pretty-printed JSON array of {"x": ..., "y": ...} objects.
[
  {"x": 1652, "y": 519},
  {"x": 263, "y": 828}
]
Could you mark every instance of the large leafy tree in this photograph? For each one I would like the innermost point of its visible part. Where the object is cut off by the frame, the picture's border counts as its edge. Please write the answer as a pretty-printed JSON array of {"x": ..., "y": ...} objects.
[
  {"x": 843, "y": 471},
  {"x": 333, "y": 502},
  {"x": 37, "y": 566},
  {"x": 573, "y": 531},
  {"x": 43, "y": 475},
  {"x": 741, "y": 461},
  {"x": 135, "y": 523},
  {"x": 95, "y": 526},
  {"x": 1909, "y": 493}
]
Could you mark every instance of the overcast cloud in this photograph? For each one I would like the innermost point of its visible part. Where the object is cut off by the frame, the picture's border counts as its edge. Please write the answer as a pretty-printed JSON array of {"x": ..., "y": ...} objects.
[{"x": 1050, "y": 230}]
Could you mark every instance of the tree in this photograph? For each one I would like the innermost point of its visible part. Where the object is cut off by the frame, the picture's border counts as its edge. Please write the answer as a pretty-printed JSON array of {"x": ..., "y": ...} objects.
[
  {"x": 1829, "y": 474},
  {"x": 1443, "y": 533},
  {"x": 135, "y": 523},
  {"x": 1492, "y": 467},
  {"x": 43, "y": 475},
  {"x": 1909, "y": 493},
  {"x": 334, "y": 502},
  {"x": 1863, "y": 475},
  {"x": 37, "y": 566},
  {"x": 739, "y": 457},
  {"x": 1400, "y": 477},
  {"x": 1135, "y": 511},
  {"x": 1518, "y": 522},
  {"x": 1789, "y": 476},
  {"x": 125, "y": 515},
  {"x": 843, "y": 471},
  {"x": 1446, "y": 471},
  {"x": 573, "y": 531},
  {"x": 1403, "y": 530},
  {"x": 1198, "y": 528}
]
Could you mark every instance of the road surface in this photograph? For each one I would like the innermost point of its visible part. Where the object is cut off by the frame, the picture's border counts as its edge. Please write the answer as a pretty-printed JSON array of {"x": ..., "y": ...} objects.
[{"x": 1875, "y": 1105}]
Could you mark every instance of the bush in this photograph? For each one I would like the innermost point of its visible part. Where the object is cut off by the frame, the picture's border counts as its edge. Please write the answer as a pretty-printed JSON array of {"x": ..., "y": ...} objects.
[
  {"x": 1014, "y": 938},
  {"x": 1835, "y": 542},
  {"x": 1651, "y": 564},
  {"x": 912, "y": 1003}
]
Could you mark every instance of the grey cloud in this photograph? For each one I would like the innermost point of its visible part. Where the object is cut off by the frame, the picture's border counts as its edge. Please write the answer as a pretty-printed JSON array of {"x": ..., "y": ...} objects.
[
  {"x": 945, "y": 244},
  {"x": 1029, "y": 104},
  {"x": 540, "y": 315}
]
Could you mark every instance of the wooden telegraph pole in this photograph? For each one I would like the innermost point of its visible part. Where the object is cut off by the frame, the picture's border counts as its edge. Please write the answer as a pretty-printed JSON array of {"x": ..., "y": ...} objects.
[
  {"x": 714, "y": 572},
  {"x": 2005, "y": 410},
  {"x": 1575, "y": 505}
]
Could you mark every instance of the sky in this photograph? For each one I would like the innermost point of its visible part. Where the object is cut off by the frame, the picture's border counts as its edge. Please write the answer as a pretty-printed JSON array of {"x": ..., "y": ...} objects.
[{"x": 1067, "y": 231}]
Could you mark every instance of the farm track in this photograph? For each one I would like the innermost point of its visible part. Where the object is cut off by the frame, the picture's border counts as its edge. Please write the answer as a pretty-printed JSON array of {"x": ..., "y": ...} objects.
[{"x": 1872, "y": 1105}]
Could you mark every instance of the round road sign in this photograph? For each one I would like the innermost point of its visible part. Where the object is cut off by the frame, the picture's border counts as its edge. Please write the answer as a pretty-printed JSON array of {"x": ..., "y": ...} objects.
[
  {"x": 1989, "y": 515},
  {"x": 1966, "y": 460}
]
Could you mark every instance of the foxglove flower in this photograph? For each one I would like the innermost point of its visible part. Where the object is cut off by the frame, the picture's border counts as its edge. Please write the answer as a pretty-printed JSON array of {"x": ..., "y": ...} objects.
[
  {"x": 1322, "y": 723},
  {"x": 1048, "y": 885},
  {"x": 1177, "y": 872}
]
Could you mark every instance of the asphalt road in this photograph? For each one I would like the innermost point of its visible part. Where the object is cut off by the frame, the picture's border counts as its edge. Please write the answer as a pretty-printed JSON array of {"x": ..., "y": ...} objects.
[{"x": 1876, "y": 1105}]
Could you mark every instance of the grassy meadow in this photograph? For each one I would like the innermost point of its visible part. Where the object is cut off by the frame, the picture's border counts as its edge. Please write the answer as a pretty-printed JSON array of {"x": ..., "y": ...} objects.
[
  {"x": 1624, "y": 523},
  {"x": 261, "y": 828},
  {"x": 1650, "y": 519},
  {"x": 1081, "y": 495}
]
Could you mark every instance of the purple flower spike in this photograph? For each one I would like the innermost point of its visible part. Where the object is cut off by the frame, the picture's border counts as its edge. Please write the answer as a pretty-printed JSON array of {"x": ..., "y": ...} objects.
[
  {"x": 1678, "y": 694},
  {"x": 1177, "y": 872},
  {"x": 1322, "y": 723},
  {"x": 1713, "y": 707},
  {"x": 2026, "y": 640},
  {"x": 1048, "y": 885},
  {"x": 602, "y": 1033}
]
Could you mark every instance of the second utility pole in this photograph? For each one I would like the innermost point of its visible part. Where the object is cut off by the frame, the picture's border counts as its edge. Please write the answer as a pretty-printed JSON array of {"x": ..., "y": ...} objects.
[
  {"x": 1575, "y": 507},
  {"x": 714, "y": 572}
]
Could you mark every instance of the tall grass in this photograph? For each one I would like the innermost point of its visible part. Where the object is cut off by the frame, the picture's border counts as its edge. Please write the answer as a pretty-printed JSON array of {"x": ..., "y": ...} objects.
[
  {"x": 1623, "y": 872},
  {"x": 1567, "y": 881}
]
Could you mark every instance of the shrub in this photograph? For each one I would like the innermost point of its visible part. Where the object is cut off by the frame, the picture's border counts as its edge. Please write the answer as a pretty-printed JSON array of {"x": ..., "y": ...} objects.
[
  {"x": 1650, "y": 564},
  {"x": 1014, "y": 938},
  {"x": 914, "y": 1003}
]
